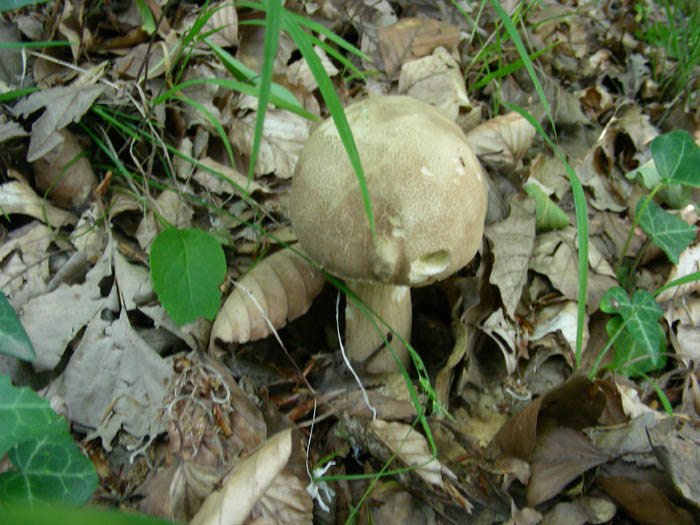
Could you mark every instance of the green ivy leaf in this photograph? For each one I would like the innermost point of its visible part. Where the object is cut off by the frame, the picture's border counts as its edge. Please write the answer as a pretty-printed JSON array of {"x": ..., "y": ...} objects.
[
  {"x": 677, "y": 157},
  {"x": 548, "y": 215},
  {"x": 673, "y": 195},
  {"x": 187, "y": 267},
  {"x": 14, "y": 341},
  {"x": 642, "y": 334},
  {"x": 48, "y": 465},
  {"x": 627, "y": 353},
  {"x": 669, "y": 232}
]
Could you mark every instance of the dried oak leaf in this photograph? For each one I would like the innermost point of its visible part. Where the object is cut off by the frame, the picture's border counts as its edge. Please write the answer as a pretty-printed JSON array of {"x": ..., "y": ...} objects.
[{"x": 64, "y": 104}]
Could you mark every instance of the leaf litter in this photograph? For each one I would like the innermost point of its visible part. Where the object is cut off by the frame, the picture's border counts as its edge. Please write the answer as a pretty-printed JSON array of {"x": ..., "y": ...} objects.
[{"x": 237, "y": 422}]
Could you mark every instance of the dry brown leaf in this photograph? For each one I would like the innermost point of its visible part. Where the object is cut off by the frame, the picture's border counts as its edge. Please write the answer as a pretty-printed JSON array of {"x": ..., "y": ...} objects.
[
  {"x": 282, "y": 287},
  {"x": 69, "y": 181},
  {"x": 411, "y": 447},
  {"x": 64, "y": 104},
  {"x": 502, "y": 141},
  {"x": 644, "y": 501},
  {"x": 158, "y": 58},
  {"x": 561, "y": 455},
  {"x": 575, "y": 404},
  {"x": 285, "y": 501},
  {"x": 412, "y": 38},
  {"x": 437, "y": 80},
  {"x": 249, "y": 481},
  {"x": 512, "y": 243}
]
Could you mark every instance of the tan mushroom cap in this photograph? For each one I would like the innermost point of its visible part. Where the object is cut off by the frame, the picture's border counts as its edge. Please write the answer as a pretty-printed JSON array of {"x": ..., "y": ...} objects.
[{"x": 426, "y": 186}]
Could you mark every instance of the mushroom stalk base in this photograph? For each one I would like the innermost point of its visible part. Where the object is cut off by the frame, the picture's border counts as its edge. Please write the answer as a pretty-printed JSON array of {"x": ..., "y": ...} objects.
[{"x": 362, "y": 341}]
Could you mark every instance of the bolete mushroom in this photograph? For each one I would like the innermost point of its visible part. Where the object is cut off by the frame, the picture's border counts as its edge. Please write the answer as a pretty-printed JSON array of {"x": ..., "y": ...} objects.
[{"x": 428, "y": 196}]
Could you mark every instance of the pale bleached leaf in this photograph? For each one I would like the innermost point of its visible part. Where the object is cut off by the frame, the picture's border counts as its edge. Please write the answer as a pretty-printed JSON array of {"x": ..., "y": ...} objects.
[
  {"x": 437, "y": 80},
  {"x": 503, "y": 140},
  {"x": 284, "y": 136}
]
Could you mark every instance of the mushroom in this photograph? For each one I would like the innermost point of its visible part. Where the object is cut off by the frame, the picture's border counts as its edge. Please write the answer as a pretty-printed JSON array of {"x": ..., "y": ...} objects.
[{"x": 428, "y": 196}]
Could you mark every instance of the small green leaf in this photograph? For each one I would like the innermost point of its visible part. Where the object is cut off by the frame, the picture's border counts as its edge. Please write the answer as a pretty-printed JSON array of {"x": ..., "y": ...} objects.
[
  {"x": 148, "y": 23},
  {"x": 187, "y": 267},
  {"x": 548, "y": 215},
  {"x": 642, "y": 334},
  {"x": 627, "y": 353},
  {"x": 669, "y": 232},
  {"x": 48, "y": 465},
  {"x": 677, "y": 157},
  {"x": 14, "y": 341}
]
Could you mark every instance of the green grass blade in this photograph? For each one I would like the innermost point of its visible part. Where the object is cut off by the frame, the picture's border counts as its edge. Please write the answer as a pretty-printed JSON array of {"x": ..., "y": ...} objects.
[
  {"x": 273, "y": 22},
  {"x": 515, "y": 37},
  {"x": 325, "y": 86},
  {"x": 581, "y": 226}
]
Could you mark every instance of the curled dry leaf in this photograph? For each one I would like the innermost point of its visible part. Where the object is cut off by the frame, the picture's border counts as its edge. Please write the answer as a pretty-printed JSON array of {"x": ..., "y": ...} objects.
[
  {"x": 278, "y": 289},
  {"x": 502, "y": 141},
  {"x": 300, "y": 74},
  {"x": 65, "y": 172}
]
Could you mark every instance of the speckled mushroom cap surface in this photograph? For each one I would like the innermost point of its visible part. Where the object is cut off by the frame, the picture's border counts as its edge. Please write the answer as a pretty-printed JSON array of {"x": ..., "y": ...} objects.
[{"x": 426, "y": 187}]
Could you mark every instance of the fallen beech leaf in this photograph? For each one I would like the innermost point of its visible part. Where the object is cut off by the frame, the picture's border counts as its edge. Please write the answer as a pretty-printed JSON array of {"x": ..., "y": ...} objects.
[
  {"x": 283, "y": 285},
  {"x": 412, "y": 38},
  {"x": 411, "y": 447},
  {"x": 248, "y": 482}
]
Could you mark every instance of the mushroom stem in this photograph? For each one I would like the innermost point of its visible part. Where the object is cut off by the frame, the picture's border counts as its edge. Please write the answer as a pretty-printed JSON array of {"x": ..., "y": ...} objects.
[{"x": 362, "y": 341}]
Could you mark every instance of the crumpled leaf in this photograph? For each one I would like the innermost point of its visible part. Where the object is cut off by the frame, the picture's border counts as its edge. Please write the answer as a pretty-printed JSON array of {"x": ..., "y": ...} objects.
[
  {"x": 503, "y": 140},
  {"x": 24, "y": 268},
  {"x": 512, "y": 240},
  {"x": 64, "y": 104},
  {"x": 172, "y": 208},
  {"x": 114, "y": 381},
  {"x": 225, "y": 22},
  {"x": 437, "y": 80},
  {"x": 412, "y": 38},
  {"x": 300, "y": 73},
  {"x": 53, "y": 320},
  {"x": 284, "y": 135}
]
